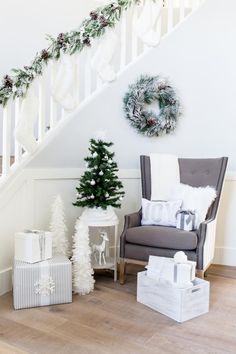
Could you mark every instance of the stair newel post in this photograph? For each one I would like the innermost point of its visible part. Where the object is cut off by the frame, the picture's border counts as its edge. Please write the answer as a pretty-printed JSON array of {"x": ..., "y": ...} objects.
[
  {"x": 123, "y": 41},
  {"x": 18, "y": 148},
  {"x": 170, "y": 19},
  {"x": 42, "y": 108},
  {"x": 6, "y": 141},
  {"x": 53, "y": 107}
]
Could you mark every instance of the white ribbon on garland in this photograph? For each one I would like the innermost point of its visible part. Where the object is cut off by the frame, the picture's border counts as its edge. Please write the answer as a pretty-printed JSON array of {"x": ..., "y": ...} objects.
[{"x": 144, "y": 25}]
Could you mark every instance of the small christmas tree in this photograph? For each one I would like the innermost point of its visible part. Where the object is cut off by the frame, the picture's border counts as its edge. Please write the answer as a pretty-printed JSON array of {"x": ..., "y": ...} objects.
[
  {"x": 58, "y": 228},
  {"x": 100, "y": 186},
  {"x": 83, "y": 281}
]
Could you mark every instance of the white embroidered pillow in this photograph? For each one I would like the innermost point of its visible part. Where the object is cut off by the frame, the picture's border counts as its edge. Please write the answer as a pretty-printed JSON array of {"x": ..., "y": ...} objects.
[
  {"x": 196, "y": 199},
  {"x": 160, "y": 212}
]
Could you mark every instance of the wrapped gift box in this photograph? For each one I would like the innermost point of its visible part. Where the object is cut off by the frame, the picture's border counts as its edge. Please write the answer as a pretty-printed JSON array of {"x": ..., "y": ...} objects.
[
  {"x": 177, "y": 271},
  {"x": 33, "y": 246},
  {"x": 41, "y": 284},
  {"x": 178, "y": 304},
  {"x": 185, "y": 220}
]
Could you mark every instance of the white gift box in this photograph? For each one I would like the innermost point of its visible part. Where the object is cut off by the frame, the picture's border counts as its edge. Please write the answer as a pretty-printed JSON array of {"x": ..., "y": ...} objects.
[
  {"x": 177, "y": 271},
  {"x": 33, "y": 246},
  {"x": 178, "y": 304},
  {"x": 185, "y": 220},
  {"x": 42, "y": 284}
]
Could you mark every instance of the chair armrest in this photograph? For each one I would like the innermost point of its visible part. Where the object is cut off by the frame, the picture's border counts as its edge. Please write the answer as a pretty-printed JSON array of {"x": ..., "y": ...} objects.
[
  {"x": 131, "y": 220},
  {"x": 206, "y": 234},
  {"x": 201, "y": 232}
]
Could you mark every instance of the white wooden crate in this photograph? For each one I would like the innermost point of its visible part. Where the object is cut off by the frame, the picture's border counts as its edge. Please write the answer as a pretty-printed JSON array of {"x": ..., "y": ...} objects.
[{"x": 179, "y": 304}]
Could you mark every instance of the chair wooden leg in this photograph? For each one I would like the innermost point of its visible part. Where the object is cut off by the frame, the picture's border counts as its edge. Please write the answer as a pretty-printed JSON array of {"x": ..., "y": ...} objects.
[
  {"x": 200, "y": 274},
  {"x": 122, "y": 271}
]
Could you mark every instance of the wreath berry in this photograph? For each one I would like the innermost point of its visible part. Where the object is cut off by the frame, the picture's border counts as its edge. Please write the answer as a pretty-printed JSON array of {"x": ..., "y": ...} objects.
[{"x": 145, "y": 91}]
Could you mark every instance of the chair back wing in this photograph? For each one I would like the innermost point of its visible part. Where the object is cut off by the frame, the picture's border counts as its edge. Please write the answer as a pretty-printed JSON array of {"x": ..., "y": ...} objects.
[
  {"x": 146, "y": 176},
  {"x": 194, "y": 172}
]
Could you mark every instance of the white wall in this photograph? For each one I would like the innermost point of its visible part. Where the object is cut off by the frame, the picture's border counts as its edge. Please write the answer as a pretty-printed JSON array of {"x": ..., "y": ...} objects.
[{"x": 23, "y": 25}]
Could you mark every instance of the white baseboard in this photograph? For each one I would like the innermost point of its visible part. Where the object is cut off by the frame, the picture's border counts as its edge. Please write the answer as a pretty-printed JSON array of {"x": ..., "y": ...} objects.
[
  {"x": 5, "y": 281},
  {"x": 225, "y": 256}
]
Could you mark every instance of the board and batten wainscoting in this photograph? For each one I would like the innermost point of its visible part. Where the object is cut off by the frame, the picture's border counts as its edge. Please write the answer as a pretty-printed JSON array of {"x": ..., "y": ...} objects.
[{"x": 29, "y": 201}]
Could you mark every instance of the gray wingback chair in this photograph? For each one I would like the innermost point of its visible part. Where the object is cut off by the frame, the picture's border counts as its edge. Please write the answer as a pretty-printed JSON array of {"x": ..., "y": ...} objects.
[{"x": 138, "y": 242}]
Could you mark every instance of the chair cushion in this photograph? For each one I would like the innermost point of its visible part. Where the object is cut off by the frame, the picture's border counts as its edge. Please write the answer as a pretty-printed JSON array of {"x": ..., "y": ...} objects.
[{"x": 162, "y": 237}]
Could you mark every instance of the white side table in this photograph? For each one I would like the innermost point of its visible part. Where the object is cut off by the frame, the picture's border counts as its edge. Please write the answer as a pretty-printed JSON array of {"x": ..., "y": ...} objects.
[{"x": 110, "y": 219}]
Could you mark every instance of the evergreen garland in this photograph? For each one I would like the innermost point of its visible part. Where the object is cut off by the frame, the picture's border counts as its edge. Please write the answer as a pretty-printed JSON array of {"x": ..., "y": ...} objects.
[
  {"x": 146, "y": 90},
  {"x": 100, "y": 186},
  {"x": 17, "y": 84}
]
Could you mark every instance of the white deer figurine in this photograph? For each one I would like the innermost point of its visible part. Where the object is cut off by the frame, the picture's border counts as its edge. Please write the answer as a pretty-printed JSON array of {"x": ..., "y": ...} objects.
[{"x": 100, "y": 249}]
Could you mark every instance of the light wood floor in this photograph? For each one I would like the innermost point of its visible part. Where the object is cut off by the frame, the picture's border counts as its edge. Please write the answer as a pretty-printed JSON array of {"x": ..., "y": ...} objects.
[{"x": 111, "y": 321}]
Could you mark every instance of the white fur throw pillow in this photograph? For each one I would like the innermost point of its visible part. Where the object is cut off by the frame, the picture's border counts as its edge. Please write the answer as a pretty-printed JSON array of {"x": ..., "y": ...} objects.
[
  {"x": 160, "y": 212},
  {"x": 196, "y": 199}
]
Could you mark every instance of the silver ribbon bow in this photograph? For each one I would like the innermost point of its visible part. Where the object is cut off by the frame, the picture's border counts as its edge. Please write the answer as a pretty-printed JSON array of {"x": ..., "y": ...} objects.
[
  {"x": 42, "y": 242},
  {"x": 191, "y": 217}
]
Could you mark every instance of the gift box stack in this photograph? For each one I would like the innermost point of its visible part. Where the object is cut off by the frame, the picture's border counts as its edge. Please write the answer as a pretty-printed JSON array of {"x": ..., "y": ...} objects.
[
  {"x": 39, "y": 279},
  {"x": 170, "y": 287},
  {"x": 177, "y": 271}
]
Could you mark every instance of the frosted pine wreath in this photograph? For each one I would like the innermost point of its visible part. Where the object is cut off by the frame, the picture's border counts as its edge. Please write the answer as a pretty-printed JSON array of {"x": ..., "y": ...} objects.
[{"x": 145, "y": 91}]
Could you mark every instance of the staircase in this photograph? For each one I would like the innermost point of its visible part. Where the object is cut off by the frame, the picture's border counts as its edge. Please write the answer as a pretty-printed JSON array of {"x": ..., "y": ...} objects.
[{"x": 51, "y": 116}]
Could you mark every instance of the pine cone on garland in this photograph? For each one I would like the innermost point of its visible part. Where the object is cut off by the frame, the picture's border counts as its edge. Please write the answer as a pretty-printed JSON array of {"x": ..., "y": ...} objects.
[
  {"x": 151, "y": 122},
  {"x": 162, "y": 86},
  {"x": 114, "y": 7},
  {"x": 103, "y": 21},
  {"x": 7, "y": 81},
  {"x": 61, "y": 40},
  {"x": 87, "y": 41},
  {"x": 94, "y": 15},
  {"x": 44, "y": 54}
]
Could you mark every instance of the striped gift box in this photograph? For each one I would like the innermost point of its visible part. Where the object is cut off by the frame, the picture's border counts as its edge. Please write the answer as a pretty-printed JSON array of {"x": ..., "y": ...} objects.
[{"x": 42, "y": 284}]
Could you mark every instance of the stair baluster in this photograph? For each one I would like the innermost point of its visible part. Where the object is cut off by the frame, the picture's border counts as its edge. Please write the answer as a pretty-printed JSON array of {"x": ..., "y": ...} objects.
[
  {"x": 6, "y": 144},
  {"x": 18, "y": 149}
]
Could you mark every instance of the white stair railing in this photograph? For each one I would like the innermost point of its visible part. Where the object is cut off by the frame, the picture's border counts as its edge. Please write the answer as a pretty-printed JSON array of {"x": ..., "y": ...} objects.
[{"x": 50, "y": 112}]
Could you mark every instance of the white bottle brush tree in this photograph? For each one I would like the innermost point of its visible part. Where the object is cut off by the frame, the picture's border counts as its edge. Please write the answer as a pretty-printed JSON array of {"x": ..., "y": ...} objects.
[
  {"x": 58, "y": 228},
  {"x": 83, "y": 280},
  {"x": 100, "y": 185}
]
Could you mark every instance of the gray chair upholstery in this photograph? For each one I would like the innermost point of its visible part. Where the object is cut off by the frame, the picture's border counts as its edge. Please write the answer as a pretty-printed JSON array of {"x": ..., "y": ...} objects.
[{"x": 138, "y": 242}]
